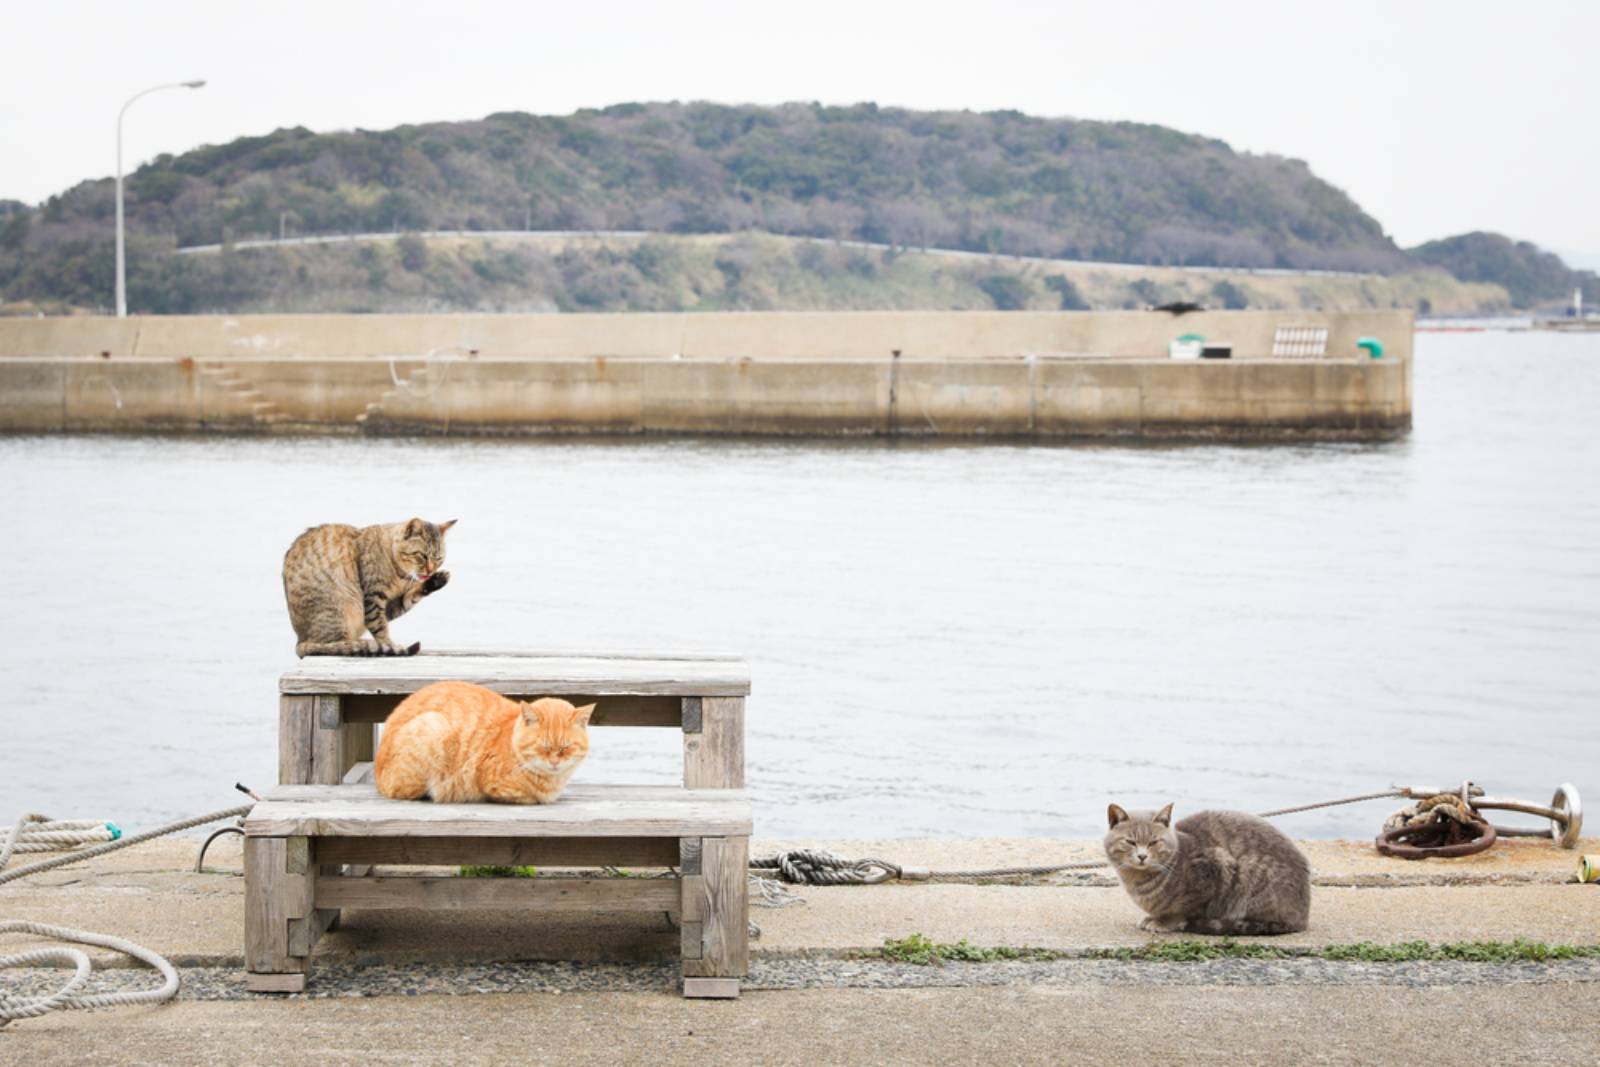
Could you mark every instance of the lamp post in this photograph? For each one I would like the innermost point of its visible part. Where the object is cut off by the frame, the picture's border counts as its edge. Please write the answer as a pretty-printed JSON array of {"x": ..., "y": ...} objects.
[{"x": 122, "y": 279}]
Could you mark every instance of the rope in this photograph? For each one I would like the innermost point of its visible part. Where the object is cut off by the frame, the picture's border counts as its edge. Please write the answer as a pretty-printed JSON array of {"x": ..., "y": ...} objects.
[
  {"x": 38, "y": 834},
  {"x": 1335, "y": 803},
  {"x": 819, "y": 867},
  {"x": 805, "y": 866},
  {"x": 42, "y": 829}
]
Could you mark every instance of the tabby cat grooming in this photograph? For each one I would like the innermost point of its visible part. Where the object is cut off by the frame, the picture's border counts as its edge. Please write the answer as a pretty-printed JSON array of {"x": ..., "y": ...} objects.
[
  {"x": 1216, "y": 872},
  {"x": 342, "y": 583},
  {"x": 455, "y": 742}
]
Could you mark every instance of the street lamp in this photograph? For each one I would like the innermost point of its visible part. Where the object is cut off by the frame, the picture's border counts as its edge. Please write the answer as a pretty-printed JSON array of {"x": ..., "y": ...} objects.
[{"x": 122, "y": 279}]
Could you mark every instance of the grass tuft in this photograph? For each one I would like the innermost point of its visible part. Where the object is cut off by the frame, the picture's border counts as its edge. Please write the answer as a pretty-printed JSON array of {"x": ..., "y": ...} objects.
[{"x": 468, "y": 871}]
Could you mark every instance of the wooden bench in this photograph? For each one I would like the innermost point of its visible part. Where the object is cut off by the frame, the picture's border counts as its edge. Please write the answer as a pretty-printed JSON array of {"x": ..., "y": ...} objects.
[{"x": 310, "y": 845}]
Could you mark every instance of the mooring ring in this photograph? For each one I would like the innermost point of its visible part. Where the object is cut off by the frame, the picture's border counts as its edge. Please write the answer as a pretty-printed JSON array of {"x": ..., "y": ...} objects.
[{"x": 1392, "y": 842}]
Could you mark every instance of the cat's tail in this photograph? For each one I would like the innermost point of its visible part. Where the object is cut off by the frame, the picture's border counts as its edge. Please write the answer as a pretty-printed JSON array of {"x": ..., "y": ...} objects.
[
  {"x": 352, "y": 648},
  {"x": 1242, "y": 927}
]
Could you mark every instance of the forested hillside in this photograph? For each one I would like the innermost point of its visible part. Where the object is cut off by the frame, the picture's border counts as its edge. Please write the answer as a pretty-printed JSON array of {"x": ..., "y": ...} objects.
[{"x": 996, "y": 182}]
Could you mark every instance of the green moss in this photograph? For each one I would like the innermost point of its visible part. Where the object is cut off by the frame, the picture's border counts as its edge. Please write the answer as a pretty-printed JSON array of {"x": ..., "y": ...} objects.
[{"x": 499, "y": 872}]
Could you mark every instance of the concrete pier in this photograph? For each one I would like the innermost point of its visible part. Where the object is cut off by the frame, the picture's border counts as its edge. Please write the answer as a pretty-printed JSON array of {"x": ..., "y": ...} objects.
[{"x": 965, "y": 374}]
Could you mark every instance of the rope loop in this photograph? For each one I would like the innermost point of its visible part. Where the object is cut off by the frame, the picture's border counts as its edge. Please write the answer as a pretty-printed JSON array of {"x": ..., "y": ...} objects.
[
  {"x": 806, "y": 866},
  {"x": 32, "y": 827}
]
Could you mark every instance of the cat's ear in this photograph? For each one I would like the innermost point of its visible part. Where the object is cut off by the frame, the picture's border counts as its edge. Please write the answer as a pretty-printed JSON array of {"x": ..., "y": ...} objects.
[
  {"x": 1164, "y": 816},
  {"x": 444, "y": 527},
  {"x": 1115, "y": 815},
  {"x": 581, "y": 716},
  {"x": 530, "y": 715},
  {"x": 416, "y": 528}
]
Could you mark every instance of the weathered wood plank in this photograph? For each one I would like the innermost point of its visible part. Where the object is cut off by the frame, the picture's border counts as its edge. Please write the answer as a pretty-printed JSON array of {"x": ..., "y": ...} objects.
[
  {"x": 609, "y": 710},
  {"x": 327, "y": 742},
  {"x": 500, "y": 851},
  {"x": 713, "y": 758},
  {"x": 725, "y": 944},
  {"x": 296, "y": 721},
  {"x": 693, "y": 936},
  {"x": 274, "y": 983},
  {"x": 360, "y": 743},
  {"x": 274, "y": 896},
  {"x": 521, "y": 675},
  {"x": 711, "y": 988},
  {"x": 544, "y": 894},
  {"x": 637, "y": 653},
  {"x": 582, "y": 811}
]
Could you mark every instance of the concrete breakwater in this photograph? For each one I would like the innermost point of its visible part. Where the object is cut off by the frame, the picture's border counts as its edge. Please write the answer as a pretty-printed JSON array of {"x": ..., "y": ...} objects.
[{"x": 1004, "y": 374}]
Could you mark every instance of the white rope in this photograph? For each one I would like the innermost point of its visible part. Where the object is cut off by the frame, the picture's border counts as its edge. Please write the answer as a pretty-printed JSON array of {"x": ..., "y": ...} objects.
[
  {"x": 32, "y": 829},
  {"x": 35, "y": 833}
]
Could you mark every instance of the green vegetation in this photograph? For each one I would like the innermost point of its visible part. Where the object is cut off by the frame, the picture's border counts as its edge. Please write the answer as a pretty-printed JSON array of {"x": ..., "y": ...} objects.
[
  {"x": 1531, "y": 275},
  {"x": 999, "y": 182},
  {"x": 470, "y": 871},
  {"x": 922, "y": 951},
  {"x": 1196, "y": 951},
  {"x": 1469, "y": 951}
]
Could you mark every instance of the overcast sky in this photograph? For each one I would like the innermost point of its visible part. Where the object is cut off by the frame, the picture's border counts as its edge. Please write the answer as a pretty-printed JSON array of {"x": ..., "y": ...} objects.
[{"x": 1437, "y": 117}]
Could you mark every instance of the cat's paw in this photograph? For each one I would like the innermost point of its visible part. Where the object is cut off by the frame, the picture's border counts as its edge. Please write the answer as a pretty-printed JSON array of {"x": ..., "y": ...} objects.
[
  {"x": 435, "y": 582},
  {"x": 412, "y": 649}
]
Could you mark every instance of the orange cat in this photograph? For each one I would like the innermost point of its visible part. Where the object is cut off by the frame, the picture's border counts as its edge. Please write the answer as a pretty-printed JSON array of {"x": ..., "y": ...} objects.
[{"x": 455, "y": 741}]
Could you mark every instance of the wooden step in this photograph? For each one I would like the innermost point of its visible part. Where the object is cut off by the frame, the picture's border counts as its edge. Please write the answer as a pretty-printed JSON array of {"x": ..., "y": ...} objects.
[{"x": 583, "y": 810}]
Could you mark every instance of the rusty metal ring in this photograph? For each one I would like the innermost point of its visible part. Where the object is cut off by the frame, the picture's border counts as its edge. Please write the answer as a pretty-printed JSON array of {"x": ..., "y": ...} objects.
[{"x": 1392, "y": 842}]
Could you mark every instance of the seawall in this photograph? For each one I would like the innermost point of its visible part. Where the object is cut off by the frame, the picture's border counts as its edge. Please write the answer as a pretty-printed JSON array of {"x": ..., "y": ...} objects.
[{"x": 1004, "y": 374}]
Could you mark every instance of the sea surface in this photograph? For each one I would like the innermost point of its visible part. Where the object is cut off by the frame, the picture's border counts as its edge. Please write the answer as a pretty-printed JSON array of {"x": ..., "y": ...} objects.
[{"x": 945, "y": 639}]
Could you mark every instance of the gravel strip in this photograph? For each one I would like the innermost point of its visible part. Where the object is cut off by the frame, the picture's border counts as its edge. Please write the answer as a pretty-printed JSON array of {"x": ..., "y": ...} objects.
[{"x": 210, "y": 983}]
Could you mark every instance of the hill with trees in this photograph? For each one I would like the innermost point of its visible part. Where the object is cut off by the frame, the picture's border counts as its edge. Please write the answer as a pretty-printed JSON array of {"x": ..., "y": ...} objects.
[
  {"x": 999, "y": 182},
  {"x": 1531, "y": 276}
]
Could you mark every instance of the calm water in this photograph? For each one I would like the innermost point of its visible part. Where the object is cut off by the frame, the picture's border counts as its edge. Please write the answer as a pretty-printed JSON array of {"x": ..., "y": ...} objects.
[{"x": 959, "y": 640}]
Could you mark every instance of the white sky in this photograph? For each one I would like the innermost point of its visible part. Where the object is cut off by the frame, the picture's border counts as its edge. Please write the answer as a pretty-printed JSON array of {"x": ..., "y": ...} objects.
[{"x": 1437, "y": 117}]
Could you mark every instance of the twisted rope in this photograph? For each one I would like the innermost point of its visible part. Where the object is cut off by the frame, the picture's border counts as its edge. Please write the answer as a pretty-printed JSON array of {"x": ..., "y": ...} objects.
[
  {"x": 805, "y": 866},
  {"x": 39, "y": 834},
  {"x": 820, "y": 867},
  {"x": 13, "y": 1006},
  {"x": 1391, "y": 792}
]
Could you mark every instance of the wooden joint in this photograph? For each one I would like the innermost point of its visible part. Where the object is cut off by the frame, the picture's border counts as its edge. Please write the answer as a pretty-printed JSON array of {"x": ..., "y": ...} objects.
[
  {"x": 693, "y": 715},
  {"x": 689, "y": 855},
  {"x": 297, "y": 855}
]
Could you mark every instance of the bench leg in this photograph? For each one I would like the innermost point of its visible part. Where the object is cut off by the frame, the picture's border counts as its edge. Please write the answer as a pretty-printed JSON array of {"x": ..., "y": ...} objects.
[
  {"x": 716, "y": 915},
  {"x": 280, "y": 920}
]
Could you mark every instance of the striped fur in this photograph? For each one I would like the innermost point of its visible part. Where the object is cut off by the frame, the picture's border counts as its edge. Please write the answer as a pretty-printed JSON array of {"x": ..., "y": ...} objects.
[
  {"x": 456, "y": 742},
  {"x": 1216, "y": 872},
  {"x": 342, "y": 583}
]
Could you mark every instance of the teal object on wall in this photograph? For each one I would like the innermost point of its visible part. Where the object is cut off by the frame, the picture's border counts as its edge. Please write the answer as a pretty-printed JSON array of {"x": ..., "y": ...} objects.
[{"x": 1373, "y": 346}]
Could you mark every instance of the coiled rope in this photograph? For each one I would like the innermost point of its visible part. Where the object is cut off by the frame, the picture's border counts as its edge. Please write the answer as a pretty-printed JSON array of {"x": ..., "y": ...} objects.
[
  {"x": 44, "y": 835},
  {"x": 820, "y": 867},
  {"x": 31, "y": 830}
]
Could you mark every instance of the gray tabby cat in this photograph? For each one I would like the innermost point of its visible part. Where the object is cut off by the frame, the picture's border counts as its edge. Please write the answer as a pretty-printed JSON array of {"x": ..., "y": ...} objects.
[
  {"x": 1216, "y": 872},
  {"x": 342, "y": 583}
]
